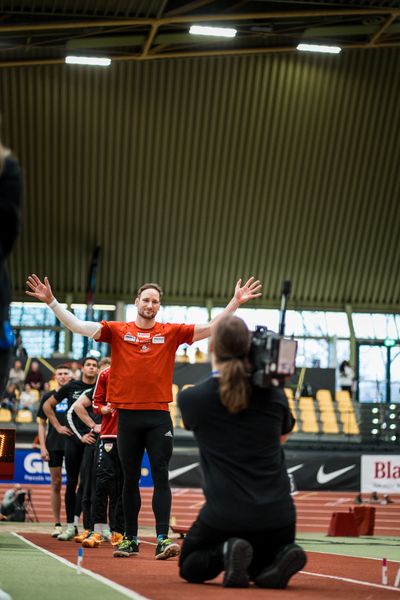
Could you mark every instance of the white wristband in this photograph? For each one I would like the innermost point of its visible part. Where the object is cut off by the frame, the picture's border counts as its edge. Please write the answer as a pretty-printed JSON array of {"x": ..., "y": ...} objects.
[{"x": 71, "y": 322}]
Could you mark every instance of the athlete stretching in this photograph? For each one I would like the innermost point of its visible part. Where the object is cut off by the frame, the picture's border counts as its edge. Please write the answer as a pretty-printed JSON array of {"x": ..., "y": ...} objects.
[{"x": 140, "y": 386}]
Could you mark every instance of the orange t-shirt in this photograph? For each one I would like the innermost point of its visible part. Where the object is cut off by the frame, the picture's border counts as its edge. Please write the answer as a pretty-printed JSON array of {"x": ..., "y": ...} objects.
[{"x": 143, "y": 363}]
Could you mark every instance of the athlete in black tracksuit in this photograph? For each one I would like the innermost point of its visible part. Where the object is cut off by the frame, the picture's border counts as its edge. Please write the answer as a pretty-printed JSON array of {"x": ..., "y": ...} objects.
[
  {"x": 74, "y": 448},
  {"x": 87, "y": 473}
]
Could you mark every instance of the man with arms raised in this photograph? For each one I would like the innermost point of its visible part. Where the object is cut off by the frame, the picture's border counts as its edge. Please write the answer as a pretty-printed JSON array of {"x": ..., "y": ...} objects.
[{"x": 140, "y": 387}]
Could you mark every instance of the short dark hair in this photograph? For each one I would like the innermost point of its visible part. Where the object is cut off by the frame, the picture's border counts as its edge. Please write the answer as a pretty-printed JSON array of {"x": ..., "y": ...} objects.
[
  {"x": 63, "y": 366},
  {"x": 84, "y": 360},
  {"x": 147, "y": 286}
]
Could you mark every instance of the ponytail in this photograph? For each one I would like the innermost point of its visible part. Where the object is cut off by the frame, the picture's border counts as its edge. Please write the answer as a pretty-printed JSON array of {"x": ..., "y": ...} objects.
[
  {"x": 234, "y": 386},
  {"x": 231, "y": 341}
]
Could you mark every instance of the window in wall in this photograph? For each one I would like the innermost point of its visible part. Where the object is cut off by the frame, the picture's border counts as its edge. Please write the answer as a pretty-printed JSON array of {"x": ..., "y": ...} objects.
[
  {"x": 312, "y": 353},
  {"x": 39, "y": 342},
  {"x": 31, "y": 314},
  {"x": 342, "y": 351},
  {"x": 254, "y": 316},
  {"x": 372, "y": 373},
  {"x": 376, "y": 325}
]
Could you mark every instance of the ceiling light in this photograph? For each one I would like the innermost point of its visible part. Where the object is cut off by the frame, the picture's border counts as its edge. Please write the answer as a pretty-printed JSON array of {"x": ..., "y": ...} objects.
[
  {"x": 95, "y": 61},
  {"x": 214, "y": 31},
  {"x": 318, "y": 48}
]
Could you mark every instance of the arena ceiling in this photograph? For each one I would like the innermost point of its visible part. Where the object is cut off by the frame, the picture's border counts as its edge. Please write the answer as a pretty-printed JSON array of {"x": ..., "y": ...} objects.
[{"x": 193, "y": 163}]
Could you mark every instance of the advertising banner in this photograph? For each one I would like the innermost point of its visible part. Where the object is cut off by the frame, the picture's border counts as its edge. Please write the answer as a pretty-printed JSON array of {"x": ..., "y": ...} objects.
[
  {"x": 30, "y": 468},
  {"x": 307, "y": 470},
  {"x": 380, "y": 473}
]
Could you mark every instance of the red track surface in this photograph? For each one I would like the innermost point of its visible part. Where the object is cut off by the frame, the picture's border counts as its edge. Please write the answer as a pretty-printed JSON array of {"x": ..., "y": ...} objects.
[
  {"x": 314, "y": 509},
  {"x": 323, "y": 576}
]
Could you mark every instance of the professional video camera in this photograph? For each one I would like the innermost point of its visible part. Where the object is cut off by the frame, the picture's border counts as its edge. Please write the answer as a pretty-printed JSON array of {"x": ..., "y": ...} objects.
[{"x": 273, "y": 356}]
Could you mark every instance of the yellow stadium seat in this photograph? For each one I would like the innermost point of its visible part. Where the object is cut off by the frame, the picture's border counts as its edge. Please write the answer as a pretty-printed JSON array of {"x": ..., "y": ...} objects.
[
  {"x": 177, "y": 422},
  {"x": 329, "y": 422},
  {"x": 307, "y": 415},
  {"x": 5, "y": 415},
  {"x": 350, "y": 426},
  {"x": 342, "y": 395},
  {"x": 24, "y": 416},
  {"x": 289, "y": 393},
  {"x": 294, "y": 413},
  {"x": 324, "y": 395}
]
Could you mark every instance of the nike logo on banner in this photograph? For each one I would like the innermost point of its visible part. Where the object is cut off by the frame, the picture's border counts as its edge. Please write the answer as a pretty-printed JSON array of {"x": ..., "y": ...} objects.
[
  {"x": 323, "y": 477},
  {"x": 295, "y": 468},
  {"x": 181, "y": 470}
]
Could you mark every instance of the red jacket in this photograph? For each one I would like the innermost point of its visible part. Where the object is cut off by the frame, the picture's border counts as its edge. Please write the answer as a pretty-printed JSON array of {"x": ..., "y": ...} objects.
[{"x": 109, "y": 422}]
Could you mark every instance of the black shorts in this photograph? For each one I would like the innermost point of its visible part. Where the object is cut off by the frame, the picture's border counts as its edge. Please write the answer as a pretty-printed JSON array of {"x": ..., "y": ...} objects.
[{"x": 56, "y": 458}]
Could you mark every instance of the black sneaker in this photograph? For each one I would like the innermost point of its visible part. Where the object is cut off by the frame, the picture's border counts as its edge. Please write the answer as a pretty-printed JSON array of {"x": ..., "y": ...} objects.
[
  {"x": 287, "y": 562},
  {"x": 374, "y": 498},
  {"x": 237, "y": 558},
  {"x": 167, "y": 549},
  {"x": 358, "y": 499},
  {"x": 126, "y": 549},
  {"x": 387, "y": 499}
]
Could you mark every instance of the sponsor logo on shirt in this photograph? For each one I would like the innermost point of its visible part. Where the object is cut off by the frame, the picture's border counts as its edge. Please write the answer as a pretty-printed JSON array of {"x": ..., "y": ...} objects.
[
  {"x": 158, "y": 339},
  {"x": 144, "y": 348},
  {"x": 62, "y": 406},
  {"x": 140, "y": 334},
  {"x": 128, "y": 337}
]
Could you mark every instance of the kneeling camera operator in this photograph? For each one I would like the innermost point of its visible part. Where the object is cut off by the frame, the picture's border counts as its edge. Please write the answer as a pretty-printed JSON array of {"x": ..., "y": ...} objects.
[{"x": 246, "y": 527}]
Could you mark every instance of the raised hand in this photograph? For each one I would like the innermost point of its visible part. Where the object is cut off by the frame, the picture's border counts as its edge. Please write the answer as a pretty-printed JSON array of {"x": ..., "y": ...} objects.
[
  {"x": 249, "y": 291},
  {"x": 41, "y": 291}
]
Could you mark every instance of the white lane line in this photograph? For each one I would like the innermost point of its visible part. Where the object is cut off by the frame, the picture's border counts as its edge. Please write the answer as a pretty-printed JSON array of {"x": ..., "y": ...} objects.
[
  {"x": 112, "y": 584},
  {"x": 356, "y": 581}
]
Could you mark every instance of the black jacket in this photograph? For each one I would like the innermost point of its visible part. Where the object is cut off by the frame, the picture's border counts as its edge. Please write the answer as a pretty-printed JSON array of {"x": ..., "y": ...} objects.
[{"x": 10, "y": 221}]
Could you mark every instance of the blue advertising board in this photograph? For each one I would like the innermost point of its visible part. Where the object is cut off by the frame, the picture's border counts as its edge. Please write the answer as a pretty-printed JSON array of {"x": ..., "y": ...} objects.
[{"x": 30, "y": 468}]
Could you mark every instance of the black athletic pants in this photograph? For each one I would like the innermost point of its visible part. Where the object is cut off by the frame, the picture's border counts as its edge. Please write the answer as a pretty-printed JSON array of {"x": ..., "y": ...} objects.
[
  {"x": 109, "y": 483},
  {"x": 140, "y": 430},
  {"x": 88, "y": 484},
  {"x": 73, "y": 459},
  {"x": 201, "y": 557}
]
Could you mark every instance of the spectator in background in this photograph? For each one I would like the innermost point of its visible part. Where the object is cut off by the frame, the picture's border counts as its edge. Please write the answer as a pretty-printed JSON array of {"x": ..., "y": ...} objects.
[
  {"x": 19, "y": 350},
  {"x": 10, "y": 218},
  {"x": 10, "y": 398},
  {"x": 200, "y": 356},
  {"x": 17, "y": 375},
  {"x": 346, "y": 377},
  {"x": 183, "y": 358},
  {"x": 29, "y": 398},
  {"x": 35, "y": 377},
  {"x": 75, "y": 370}
]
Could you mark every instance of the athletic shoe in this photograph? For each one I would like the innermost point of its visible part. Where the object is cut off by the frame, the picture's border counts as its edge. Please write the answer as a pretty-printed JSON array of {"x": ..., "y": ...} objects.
[
  {"x": 68, "y": 534},
  {"x": 358, "y": 499},
  {"x": 126, "y": 548},
  {"x": 387, "y": 499},
  {"x": 81, "y": 536},
  {"x": 56, "y": 531},
  {"x": 116, "y": 538},
  {"x": 106, "y": 533},
  {"x": 93, "y": 540},
  {"x": 167, "y": 549},
  {"x": 374, "y": 498},
  {"x": 287, "y": 562},
  {"x": 237, "y": 555}
]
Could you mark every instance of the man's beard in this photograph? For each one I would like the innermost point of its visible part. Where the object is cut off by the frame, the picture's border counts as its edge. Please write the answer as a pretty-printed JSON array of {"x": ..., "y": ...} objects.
[{"x": 148, "y": 317}]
